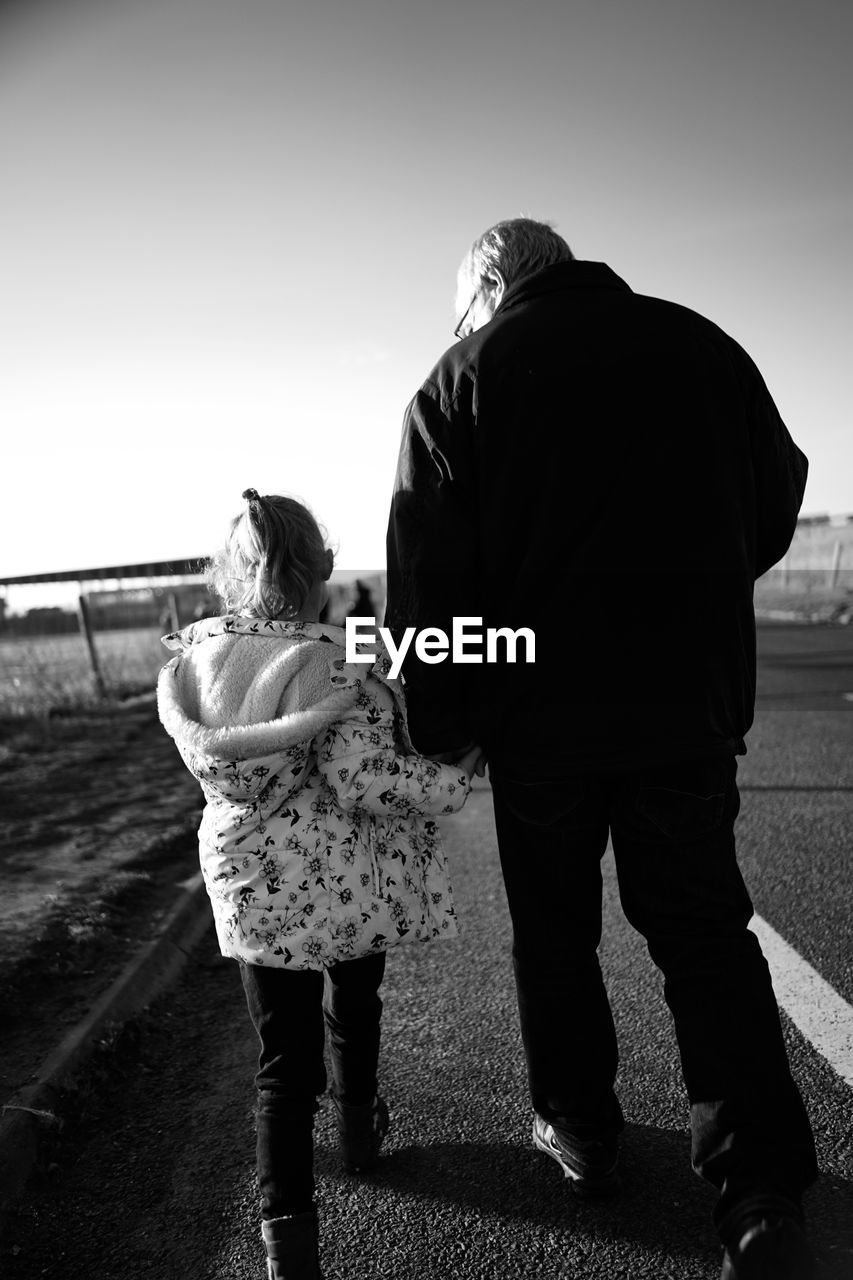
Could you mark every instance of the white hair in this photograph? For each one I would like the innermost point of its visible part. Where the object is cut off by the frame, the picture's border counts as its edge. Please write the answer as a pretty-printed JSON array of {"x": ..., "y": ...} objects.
[{"x": 517, "y": 248}]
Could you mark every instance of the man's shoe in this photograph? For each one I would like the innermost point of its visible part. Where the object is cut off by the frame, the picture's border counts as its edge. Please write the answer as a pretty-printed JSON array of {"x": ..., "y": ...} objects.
[
  {"x": 768, "y": 1244},
  {"x": 589, "y": 1163},
  {"x": 361, "y": 1130}
]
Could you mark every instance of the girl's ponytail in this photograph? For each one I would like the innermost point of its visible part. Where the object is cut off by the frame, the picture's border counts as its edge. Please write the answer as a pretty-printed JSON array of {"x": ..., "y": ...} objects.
[{"x": 274, "y": 554}]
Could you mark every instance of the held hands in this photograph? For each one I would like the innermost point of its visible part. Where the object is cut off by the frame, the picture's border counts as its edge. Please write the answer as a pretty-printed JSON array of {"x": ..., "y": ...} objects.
[
  {"x": 474, "y": 762},
  {"x": 471, "y": 758}
]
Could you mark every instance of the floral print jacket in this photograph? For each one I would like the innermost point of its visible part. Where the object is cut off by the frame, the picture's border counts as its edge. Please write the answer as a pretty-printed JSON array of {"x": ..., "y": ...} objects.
[{"x": 319, "y": 840}]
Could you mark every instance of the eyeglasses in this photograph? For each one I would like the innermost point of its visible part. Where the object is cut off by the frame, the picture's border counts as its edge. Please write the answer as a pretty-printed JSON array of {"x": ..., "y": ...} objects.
[{"x": 456, "y": 332}]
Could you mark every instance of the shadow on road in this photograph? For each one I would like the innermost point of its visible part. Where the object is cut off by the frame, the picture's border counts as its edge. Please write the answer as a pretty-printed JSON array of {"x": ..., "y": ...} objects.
[
  {"x": 662, "y": 1206},
  {"x": 667, "y": 1209}
]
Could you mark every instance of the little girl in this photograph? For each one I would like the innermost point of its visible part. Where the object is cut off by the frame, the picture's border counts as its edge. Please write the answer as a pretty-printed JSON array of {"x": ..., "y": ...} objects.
[{"x": 315, "y": 846}]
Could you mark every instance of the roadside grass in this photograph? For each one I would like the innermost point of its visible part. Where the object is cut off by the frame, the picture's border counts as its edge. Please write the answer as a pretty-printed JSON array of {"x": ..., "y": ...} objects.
[
  {"x": 42, "y": 676},
  {"x": 809, "y": 596}
]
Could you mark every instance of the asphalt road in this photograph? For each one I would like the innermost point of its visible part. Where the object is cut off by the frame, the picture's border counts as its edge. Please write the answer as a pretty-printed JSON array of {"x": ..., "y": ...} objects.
[{"x": 158, "y": 1180}]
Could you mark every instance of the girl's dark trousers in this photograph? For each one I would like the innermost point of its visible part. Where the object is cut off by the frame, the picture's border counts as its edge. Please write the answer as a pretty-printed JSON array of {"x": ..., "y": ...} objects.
[
  {"x": 290, "y": 1010},
  {"x": 672, "y": 827}
]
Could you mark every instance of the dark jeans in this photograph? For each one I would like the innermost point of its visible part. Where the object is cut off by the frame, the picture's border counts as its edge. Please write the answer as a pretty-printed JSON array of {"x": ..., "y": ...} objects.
[
  {"x": 673, "y": 839},
  {"x": 290, "y": 1010}
]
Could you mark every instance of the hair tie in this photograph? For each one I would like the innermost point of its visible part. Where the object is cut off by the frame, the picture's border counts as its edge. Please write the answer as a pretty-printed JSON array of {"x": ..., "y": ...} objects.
[{"x": 251, "y": 495}]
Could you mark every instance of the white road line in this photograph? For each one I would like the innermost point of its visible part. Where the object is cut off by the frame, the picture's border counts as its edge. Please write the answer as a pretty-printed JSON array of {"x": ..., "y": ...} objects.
[{"x": 812, "y": 1004}]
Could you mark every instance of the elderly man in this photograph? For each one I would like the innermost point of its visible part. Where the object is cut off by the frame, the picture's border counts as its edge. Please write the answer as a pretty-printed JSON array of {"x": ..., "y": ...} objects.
[{"x": 609, "y": 471}]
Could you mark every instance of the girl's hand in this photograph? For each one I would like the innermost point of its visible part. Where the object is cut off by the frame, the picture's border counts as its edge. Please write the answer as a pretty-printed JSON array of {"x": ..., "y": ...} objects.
[{"x": 473, "y": 762}]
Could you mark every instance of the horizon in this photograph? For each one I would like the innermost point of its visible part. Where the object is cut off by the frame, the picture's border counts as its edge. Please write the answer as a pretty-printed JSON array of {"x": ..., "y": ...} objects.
[{"x": 45, "y": 595}]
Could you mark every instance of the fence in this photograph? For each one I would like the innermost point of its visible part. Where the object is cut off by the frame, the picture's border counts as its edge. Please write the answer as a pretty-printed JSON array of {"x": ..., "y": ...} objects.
[
  {"x": 103, "y": 639},
  {"x": 819, "y": 560}
]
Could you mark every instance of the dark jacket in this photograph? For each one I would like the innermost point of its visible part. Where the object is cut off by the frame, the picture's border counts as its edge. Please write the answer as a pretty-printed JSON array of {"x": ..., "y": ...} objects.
[{"x": 610, "y": 471}]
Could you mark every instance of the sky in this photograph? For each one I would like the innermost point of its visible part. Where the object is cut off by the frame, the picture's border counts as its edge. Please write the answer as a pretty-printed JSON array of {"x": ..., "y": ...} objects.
[{"x": 231, "y": 230}]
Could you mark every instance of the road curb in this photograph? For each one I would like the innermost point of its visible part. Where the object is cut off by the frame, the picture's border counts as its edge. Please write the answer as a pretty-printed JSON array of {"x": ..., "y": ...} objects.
[
  {"x": 781, "y": 615},
  {"x": 815, "y": 616},
  {"x": 31, "y": 1116}
]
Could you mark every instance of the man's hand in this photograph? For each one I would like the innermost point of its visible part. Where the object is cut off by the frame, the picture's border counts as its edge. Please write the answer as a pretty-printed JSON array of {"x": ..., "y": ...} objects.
[
  {"x": 474, "y": 761},
  {"x": 449, "y": 757},
  {"x": 471, "y": 758}
]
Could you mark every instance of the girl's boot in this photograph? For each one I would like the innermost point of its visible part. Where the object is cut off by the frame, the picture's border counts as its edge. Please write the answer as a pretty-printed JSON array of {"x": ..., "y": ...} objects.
[
  {"x": 291, "y": 1245},
  {"x": 361, "y": 1130}
]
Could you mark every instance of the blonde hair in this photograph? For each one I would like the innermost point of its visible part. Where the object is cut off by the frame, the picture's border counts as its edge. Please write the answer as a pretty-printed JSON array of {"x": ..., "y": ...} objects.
[
  {"x": 517, "y": 247},
  {"x": 274, "y": 554}
]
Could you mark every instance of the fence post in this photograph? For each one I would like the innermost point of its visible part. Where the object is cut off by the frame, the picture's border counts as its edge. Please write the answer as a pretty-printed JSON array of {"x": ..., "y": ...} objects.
[
  {"x": 836, "y": 563},
  {"x": 85, "y": 620},
  {"x": 785, "y": 572},
  {"x": 174, "y": 620}
]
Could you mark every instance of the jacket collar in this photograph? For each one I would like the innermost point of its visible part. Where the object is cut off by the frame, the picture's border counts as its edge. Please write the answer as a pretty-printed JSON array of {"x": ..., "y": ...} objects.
[
  {"x": 239, "y": 624},
  {"x": 561, "y": 277}
]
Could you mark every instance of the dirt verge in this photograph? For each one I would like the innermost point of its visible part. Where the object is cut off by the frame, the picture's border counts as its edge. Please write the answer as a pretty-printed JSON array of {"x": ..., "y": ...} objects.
[{"x": 99, "y": 816}]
